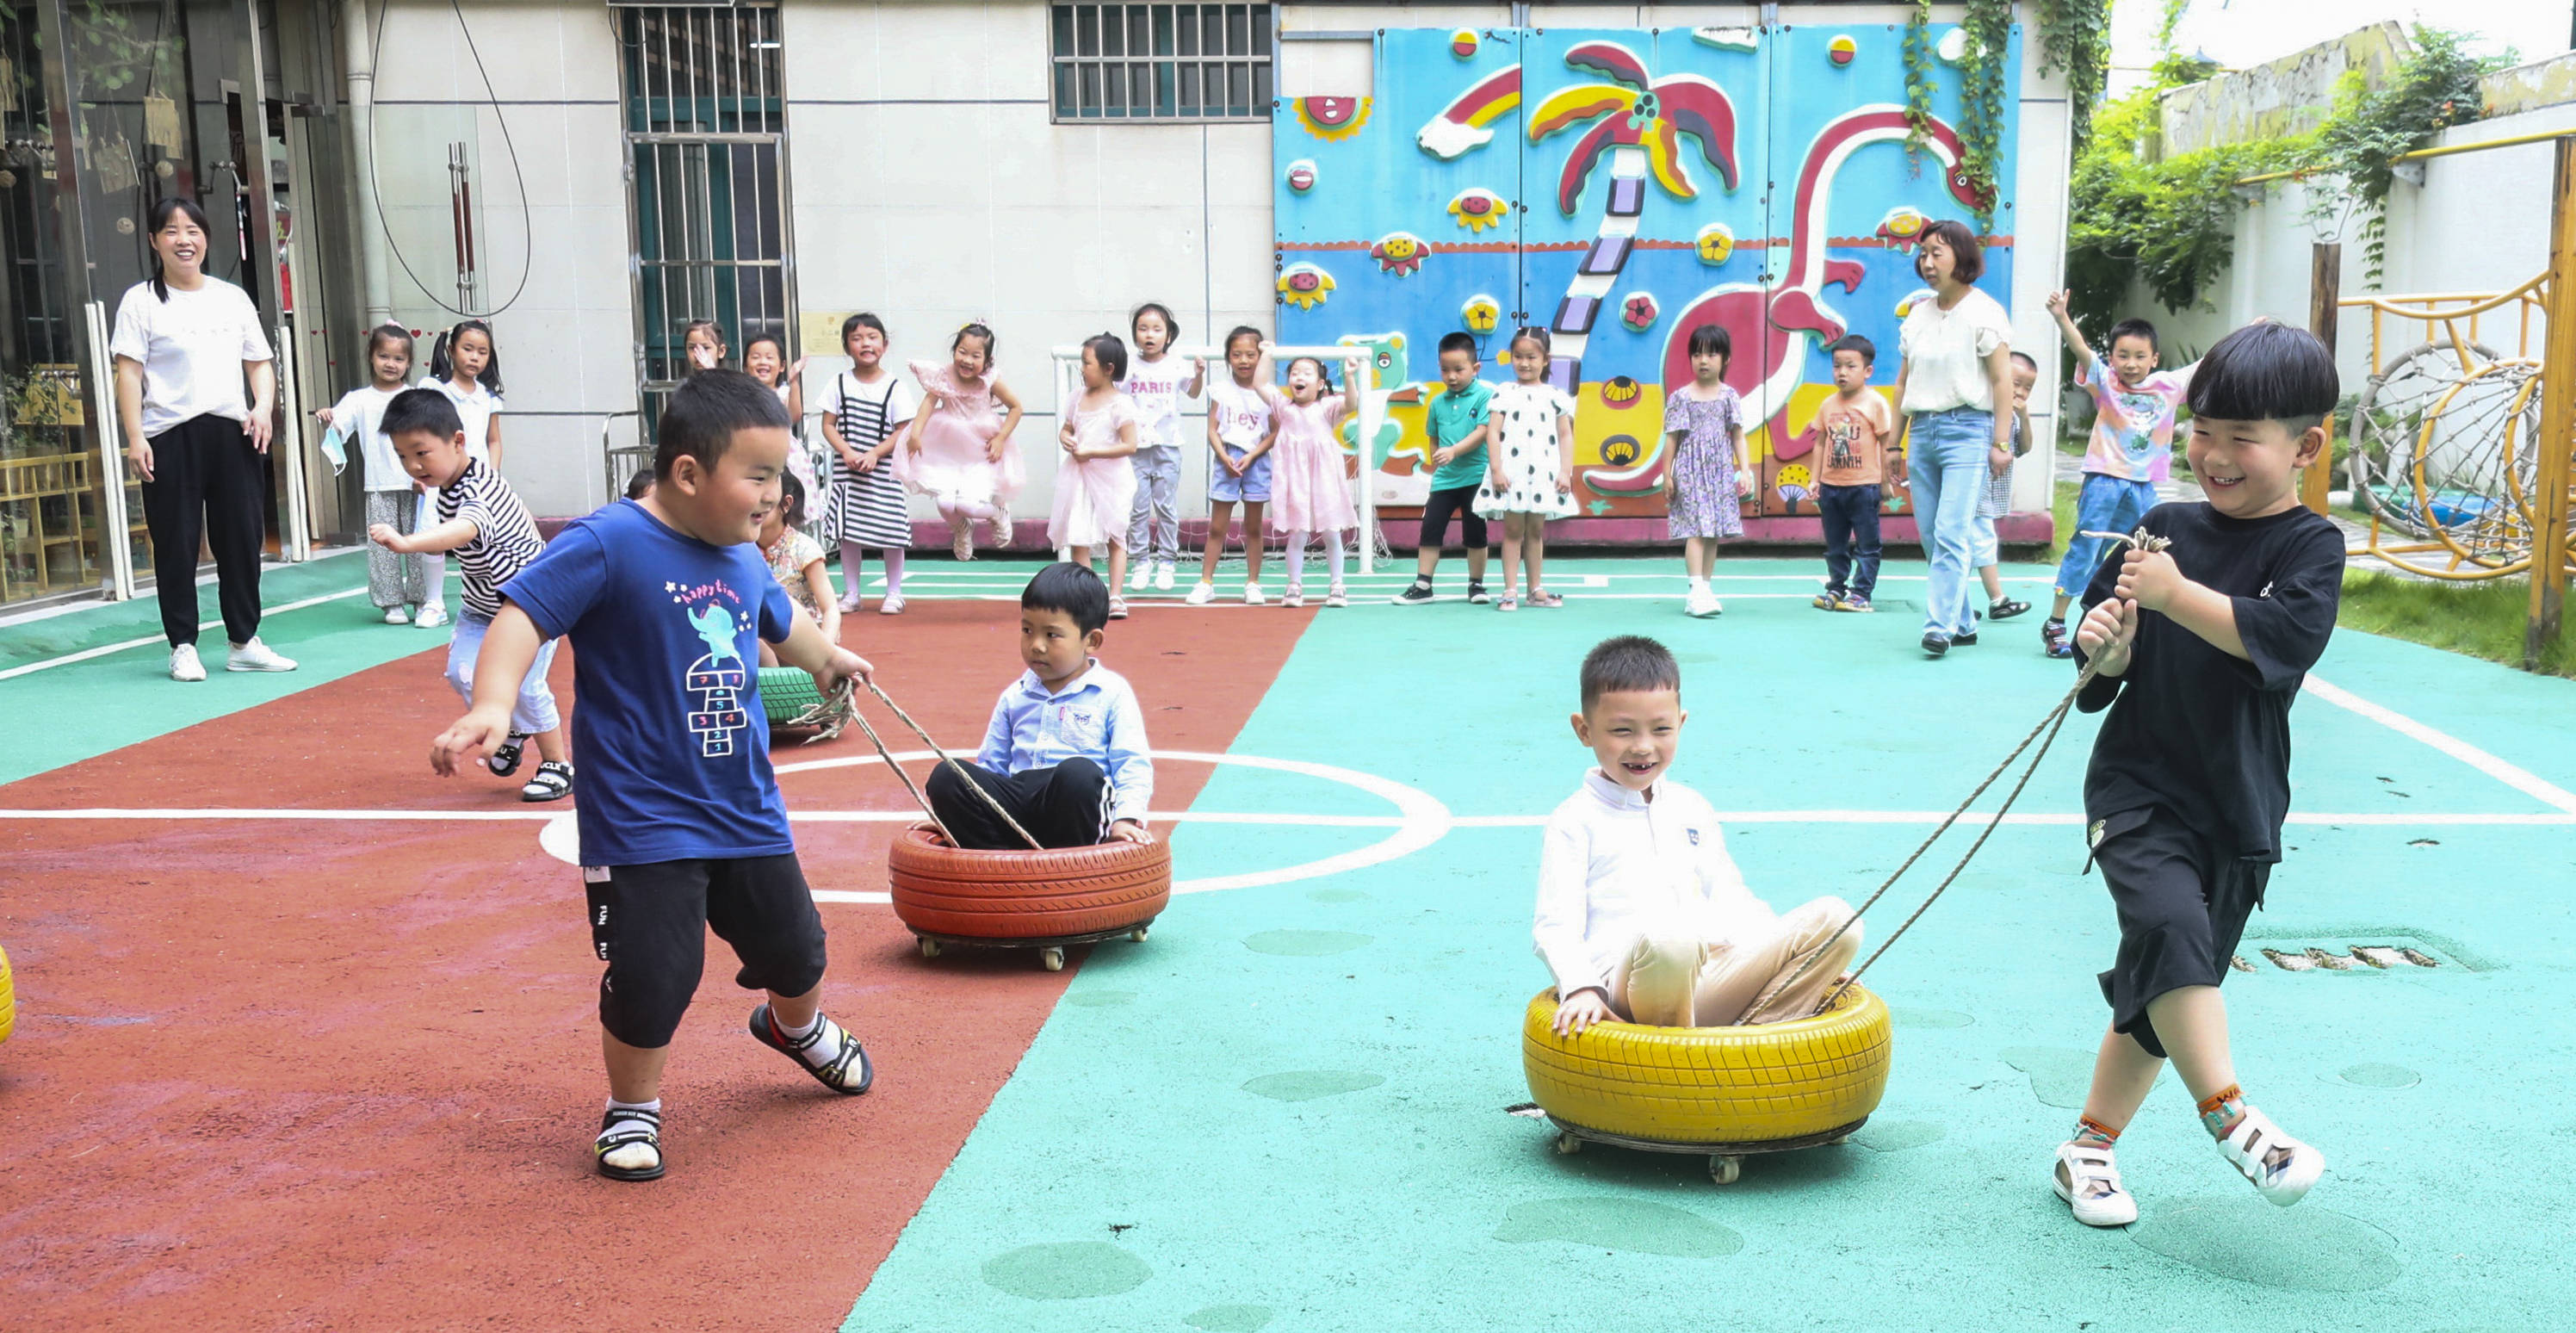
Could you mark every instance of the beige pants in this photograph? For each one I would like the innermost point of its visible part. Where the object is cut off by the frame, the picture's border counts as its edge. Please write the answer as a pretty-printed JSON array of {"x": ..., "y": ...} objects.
[{"x": 1691, "y": 983}]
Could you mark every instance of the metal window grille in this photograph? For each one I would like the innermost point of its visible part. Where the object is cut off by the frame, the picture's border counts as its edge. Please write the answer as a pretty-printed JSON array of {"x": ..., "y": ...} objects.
[
  {"x": 1174, "y": 62},
  {"x": 706, "y": 135}
]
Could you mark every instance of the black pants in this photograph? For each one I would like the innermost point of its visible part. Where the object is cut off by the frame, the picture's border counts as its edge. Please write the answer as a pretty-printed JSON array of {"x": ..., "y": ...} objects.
[
  {"x": 2182, "y": 900},
  {"x": 1063, "y": 806},
  {"x": 649, "y": 923},
  {"x": 1458, "y": 500},
  {"x": 207, "y": 483},
  {"x": 1851, "y": 538}
]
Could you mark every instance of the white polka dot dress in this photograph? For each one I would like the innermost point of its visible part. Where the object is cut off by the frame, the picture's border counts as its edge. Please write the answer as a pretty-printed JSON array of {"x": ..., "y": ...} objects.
[{"x": 1524, "y": 449}]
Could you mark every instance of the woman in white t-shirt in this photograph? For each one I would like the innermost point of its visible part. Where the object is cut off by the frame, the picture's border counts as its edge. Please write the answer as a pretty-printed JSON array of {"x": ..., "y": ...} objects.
[
  {"x": 1957, "y": 345},
  {"x": 184, "y": 343}
]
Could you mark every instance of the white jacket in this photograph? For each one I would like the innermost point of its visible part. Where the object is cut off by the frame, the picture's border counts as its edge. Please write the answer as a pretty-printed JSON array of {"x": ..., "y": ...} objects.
[{"x": 1616, "y": 867}]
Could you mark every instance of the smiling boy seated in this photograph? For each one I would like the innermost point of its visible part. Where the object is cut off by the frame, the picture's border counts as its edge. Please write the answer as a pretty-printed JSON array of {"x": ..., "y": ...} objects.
[{"x": 1642, "y": 915}]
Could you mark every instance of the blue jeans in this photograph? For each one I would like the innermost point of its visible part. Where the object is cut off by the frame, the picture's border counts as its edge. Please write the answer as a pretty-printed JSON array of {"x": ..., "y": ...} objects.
[
  {"x": 1949, "y": 470},
  {"x": 2106, "y": 504},
  {"x": 1851, "y": 538}
]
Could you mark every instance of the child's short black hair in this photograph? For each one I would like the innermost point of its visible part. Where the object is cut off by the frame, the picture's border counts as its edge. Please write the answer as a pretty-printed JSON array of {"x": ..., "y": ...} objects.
[
  {"x": 2132, "y": 328},
  {"x": 1712, "y": 340},
  {"x": 421, "y": 409},
  {"x": 704, "y": 412},
  {"x": 1628, "y": 662},
  {"x": 2266, "y": 371},
  {"x": 1458, "y": 340},
  {"x": 1072, "y": 590},
  {"x": 2023, "y": 359},
  {"x": 1110, "y": 353},
  {"x": 1853, "y": 342},
  {"x": 640, "y": 484}
]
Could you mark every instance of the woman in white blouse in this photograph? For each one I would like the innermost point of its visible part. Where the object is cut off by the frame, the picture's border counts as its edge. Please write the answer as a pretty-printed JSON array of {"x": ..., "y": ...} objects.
[
  {"x": 184, "y": 343},
  {"x": 1957, "y": 370}
]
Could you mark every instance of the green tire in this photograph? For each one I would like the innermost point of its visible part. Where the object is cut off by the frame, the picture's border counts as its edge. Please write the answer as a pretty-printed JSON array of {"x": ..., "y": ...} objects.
[{"x": 786, "y": 693}]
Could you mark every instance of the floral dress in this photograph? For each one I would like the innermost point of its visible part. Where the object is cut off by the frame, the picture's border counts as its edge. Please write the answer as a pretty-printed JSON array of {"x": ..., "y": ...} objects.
[
  {"x": 788, "y": 561},
  {"x": 1524, "y": 450},
  {"x": 1704, "y": 503}
]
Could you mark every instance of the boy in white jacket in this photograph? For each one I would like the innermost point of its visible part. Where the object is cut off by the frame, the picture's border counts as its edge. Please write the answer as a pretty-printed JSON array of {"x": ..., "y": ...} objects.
[{"x": 1642, "y": 915}]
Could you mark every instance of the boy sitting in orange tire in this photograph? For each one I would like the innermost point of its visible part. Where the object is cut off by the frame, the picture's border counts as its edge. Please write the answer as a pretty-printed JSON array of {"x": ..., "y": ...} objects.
[
  {"x": 1642, "y": 915},
  {"x": 1065, "y": 753}
]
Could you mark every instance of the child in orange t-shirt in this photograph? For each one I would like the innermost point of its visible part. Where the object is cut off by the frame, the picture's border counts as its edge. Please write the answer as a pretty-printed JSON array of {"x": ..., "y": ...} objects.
[{"x": 1855, "y": 431}]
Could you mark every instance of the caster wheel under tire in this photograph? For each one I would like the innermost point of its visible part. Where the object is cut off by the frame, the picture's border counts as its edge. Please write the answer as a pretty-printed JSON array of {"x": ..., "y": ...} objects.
[
  {"x": 929, "y": 947},
  {"x": 1138, "y": 934},
  {"x": 1052, "y": 959},
  {"x": 1724, "y": 1170},
  {"x": 1567, "y": 1143}
]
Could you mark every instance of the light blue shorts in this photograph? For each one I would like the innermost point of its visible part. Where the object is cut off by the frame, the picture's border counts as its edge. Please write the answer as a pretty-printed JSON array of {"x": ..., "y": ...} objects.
[{"x": 1253, "y": 486}]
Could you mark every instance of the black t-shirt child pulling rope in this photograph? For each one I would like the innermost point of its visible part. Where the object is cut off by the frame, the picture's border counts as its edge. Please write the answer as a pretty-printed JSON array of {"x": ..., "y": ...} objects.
[{"x": 2202, "y": 733}]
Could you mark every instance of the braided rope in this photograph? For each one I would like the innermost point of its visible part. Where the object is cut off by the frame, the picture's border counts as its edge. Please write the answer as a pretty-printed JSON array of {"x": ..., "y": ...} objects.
[{"x": 944, "y": 757}]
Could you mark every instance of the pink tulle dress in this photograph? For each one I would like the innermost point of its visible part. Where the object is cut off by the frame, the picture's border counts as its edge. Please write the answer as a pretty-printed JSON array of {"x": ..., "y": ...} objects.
[
  {"x": 954, "y": 465},
  {"x": 1093, "y": 496},
  {"x": 1310, "y": 489}
]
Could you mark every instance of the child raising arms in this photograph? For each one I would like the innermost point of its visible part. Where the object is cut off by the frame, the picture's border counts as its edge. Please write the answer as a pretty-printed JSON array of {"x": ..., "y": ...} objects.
[
  {"x": 956, "y": 453},
  {"x": 1308, "y": 491},
  {"x": 2199, "y": 652},
  {"x": 1096, "y": 487},
  {"x": 2130, "y": 451},
  {"x": 1158, "y": 385},
  {"x": 1532, "y": 477},
  {"x": 1242, "y": 425},
  {"x": 1711, "y": 472},
  {"x": 863, "y": 418}
]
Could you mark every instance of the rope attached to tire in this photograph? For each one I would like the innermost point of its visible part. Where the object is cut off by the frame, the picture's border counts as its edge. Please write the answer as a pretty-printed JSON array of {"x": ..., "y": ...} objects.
[
  {"x": 2044, "y": 735},
  {"x": 846, "y": 695}
]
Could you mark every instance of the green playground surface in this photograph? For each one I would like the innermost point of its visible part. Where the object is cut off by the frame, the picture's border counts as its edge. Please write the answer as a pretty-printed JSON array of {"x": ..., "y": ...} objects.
[{"x": 1287, "y": 1110}]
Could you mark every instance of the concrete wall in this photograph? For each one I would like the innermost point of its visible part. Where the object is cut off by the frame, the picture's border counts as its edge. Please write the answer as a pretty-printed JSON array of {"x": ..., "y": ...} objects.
[
  {"x": 2288, "y": 96},
  {"x": 928, "y": 185}
]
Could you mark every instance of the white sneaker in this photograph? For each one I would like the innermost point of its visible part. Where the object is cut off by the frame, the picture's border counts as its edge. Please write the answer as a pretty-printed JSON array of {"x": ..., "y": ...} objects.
[
  {"x": 431, "y": 616},
  {"x": 1163, "y": 576},
  {"x": 1141, "y": 575},
  {"x": 395, "y": 615},
  {"x": 1700, "y": 602},
  {"x": 2249, "y": 1148},
  {"x": 1002, "y": 528},
  {"x": 891, "y": 606},
  {"x": 1252, "y": 594},
  {"x": 1201, "y": 595},
  {"x": 1337, "y": 597},
  {"x": 256, "y": 656},
  {"x": 2088, "y": 1180},
  {"x": 184, "y": 664}
]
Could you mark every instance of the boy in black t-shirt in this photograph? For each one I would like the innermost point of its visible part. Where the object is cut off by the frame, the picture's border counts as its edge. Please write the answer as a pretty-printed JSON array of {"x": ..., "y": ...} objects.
[{"x": 2199, "y": 650}]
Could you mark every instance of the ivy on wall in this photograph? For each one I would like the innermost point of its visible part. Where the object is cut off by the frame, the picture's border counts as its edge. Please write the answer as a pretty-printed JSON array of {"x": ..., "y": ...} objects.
[
  {"x": 1986, "y": 26},
  {"x": 2368, "y": 128},
  {"x": 2075, "y": 35}
]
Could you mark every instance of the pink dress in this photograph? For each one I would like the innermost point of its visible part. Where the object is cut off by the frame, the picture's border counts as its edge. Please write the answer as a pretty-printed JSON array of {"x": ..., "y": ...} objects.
[
  {"x": 954, "y": 465},
  {"x": 1310, "y": 488},
  {"x": 1093, "y": 496}
]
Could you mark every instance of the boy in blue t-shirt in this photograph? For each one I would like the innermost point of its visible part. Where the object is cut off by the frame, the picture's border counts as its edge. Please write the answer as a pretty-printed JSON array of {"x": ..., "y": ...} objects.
[
  {"x": 1457, "y": 423},
  {"x": 666, "y": 601}
]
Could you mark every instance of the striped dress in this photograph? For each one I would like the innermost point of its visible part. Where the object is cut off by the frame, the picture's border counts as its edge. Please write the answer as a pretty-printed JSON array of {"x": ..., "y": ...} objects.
[
  {"x": 505, "y": 537},
  {"x": 867, "y": 507}
]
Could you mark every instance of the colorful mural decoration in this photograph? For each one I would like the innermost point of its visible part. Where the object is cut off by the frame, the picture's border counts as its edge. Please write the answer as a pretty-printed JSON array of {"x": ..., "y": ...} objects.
[{"x": 1648, "y": 152}]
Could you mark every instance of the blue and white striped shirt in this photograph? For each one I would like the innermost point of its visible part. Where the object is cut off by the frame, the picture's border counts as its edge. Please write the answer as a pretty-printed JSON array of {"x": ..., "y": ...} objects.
[{"x": 1096, "y": 717}]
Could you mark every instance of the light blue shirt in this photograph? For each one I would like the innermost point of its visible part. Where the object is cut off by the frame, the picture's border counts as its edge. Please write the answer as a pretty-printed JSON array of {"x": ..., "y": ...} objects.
[{"x": 1095, "y": 717}]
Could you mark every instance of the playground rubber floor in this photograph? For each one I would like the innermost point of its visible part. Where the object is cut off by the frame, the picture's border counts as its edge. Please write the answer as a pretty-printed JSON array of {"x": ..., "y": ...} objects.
[{"x": 305, "y": 1035}]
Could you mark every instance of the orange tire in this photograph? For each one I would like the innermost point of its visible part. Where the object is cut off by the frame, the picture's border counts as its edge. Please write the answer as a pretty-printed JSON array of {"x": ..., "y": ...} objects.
[
  {"x": 1753, "y": 1084},
  {"x": 1026, "y": 895}
]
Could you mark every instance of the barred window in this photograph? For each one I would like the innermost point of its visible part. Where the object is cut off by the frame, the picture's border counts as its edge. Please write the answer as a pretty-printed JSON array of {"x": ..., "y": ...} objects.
[{"x": 1161, "y": 61}]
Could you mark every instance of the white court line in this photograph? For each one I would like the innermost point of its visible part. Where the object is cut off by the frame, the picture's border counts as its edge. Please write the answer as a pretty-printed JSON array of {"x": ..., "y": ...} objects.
[
  {"x": 106, "y": 648},
  {"x": 2520, "y": 779},
  {"x": 2382, "y": 818}
]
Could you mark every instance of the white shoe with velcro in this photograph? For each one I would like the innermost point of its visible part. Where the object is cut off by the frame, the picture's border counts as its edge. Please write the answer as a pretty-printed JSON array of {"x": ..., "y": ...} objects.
[
  {"x": 2088, "y": 1179},
  {"x": 2252, "y": 1148}
]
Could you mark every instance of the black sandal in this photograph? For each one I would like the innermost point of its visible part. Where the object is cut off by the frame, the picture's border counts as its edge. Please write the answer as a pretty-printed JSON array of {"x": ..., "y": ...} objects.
[
  {"x": 551, "y": 782},
  {"x": 836, "y": 1075},
  {"x": 648, "y": 1132},
  {"x": 505, "y": 761}
]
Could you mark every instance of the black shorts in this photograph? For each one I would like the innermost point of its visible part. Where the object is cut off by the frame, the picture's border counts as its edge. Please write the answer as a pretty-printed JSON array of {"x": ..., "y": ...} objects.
[
  {"x": 2182, "y": 902},
  {"x": 649, "y": 923},
  {"x": 1436, "y": 511}
]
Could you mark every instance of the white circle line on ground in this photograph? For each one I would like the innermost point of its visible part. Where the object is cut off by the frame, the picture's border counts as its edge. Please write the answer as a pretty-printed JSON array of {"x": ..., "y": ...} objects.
[{"x": 1422, "y": 819}]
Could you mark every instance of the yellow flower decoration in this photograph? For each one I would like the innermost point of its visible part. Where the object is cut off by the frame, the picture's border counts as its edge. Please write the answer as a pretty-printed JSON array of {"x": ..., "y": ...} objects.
[
  {"x": 1481, "y": 314},
  {"x": 1305, "y": 286},
  {"x": 1332, "y": 119},
  {"x": 1479, "y": 208}
]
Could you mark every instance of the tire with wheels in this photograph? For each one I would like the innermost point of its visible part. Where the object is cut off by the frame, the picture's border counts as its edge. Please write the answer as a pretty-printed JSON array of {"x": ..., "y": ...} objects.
[
  {"x": 1026, "y": 895},
  {"x": 8, "y": 999},
  {"x": 1720, "y": 1085}
]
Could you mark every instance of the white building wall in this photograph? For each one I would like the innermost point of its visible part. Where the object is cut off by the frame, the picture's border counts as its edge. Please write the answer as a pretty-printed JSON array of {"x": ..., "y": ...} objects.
[{"x": 928, "y": 185}]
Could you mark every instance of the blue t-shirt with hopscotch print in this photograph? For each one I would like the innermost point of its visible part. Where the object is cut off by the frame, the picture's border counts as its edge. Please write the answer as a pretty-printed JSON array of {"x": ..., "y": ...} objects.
[{"x": 668, "y": 730}]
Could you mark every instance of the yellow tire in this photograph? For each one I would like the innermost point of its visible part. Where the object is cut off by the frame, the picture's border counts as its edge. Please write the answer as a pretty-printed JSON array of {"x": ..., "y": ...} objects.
[
  {"x": 1712, "y": 1085},
  {"x": 8, "y": 999}
]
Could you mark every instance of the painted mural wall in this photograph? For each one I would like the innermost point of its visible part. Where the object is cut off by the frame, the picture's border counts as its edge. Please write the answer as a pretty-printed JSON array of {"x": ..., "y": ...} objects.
[{"x": 1622, "y": 187}]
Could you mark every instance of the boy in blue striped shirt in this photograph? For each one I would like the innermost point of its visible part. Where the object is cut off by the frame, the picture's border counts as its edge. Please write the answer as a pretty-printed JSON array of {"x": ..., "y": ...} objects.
[{"x": 1065, "y": 753}]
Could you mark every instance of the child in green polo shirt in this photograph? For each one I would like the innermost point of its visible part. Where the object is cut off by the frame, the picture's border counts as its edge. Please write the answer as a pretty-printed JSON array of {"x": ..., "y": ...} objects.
[{"x": 1456, "y": 420}]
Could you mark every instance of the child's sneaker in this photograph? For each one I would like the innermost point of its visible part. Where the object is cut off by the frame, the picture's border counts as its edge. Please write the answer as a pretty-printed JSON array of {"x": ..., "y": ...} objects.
[
  {"x": 1294, "y": 597},
  {"x": 1163, "y": 577},
  {"x": 395, "y": 615},
  {"x": 1701, "y": 602},
  {"x": 184, "y": 664},
  {"x": 1336, "y": 597},
  {"x": 2053, "y": 639},
  {"x": 1117, "y": 608},
  {"x": 1202, "y": 594},
  {"x": 1415, "y": 595},
  {"x": 961, "y": 542},
  {"x": 892, "y": 605},
  {"x": 1252, "y": 594},
  {"x": 2088, "y": 1179},
  {"x": 1477, "y": 596},
  {"x": 1860, "y": 604},
  {"x": 2005, "y": 608},
  {"x": 2282, "y": 1168},
  {"x": 256, "y": 656},
  {"x": 852, "y": 603},
  {"x": 431, "y": 616},
  {"x": 831, "y": 1055},
  {"x": 1828, "y": 600},
  {"x": 1002, "y": 528},
  {"x": 1140, "y": 576}
]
